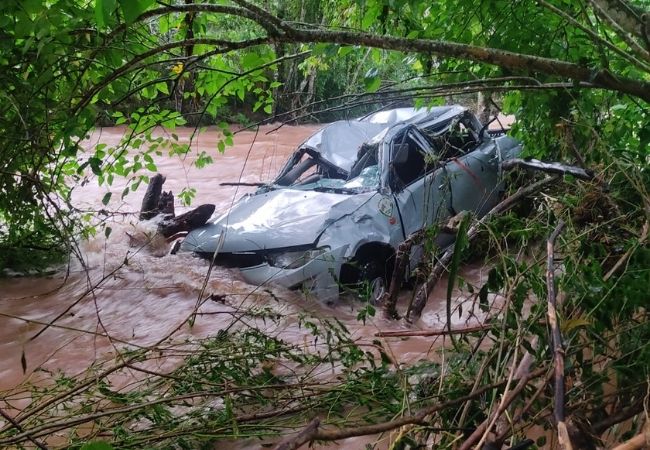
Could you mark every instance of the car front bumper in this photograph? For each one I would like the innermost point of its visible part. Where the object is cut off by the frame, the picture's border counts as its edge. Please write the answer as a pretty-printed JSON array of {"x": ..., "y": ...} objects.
[{"x": 320, "y": 275}]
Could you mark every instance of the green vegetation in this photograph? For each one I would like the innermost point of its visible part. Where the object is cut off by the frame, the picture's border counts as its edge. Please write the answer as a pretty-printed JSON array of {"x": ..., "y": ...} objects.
[{"x": 577, "y": 76}]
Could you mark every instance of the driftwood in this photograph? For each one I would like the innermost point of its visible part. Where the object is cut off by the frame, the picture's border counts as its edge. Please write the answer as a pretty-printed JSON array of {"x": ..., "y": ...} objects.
[
  {"x": 186, "y": 222},
  {"x": 389, "y": 300},
  {"x": 149, "y": 208},
  {"x": 549, "y": 167},
  {"x": 158, "y": 203},
  {"x": 427, "y": 333}
]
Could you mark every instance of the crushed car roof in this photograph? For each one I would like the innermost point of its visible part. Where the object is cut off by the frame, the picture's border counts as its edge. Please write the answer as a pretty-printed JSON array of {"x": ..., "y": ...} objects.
[{"x": 339, "y": 141}]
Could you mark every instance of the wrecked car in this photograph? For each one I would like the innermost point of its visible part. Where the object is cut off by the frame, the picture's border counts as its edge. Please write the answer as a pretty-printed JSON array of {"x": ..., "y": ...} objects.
[{"x": 351, "y": 193}]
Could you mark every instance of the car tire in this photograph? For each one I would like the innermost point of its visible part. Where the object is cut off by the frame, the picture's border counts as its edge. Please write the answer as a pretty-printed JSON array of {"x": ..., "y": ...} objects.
[{"x": 373, "y": 280}]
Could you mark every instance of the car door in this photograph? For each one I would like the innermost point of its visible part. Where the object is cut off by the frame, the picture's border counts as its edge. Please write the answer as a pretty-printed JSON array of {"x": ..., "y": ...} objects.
[
  {"x": 417, "y": 180},
  {"x": 473, "y": 180}
]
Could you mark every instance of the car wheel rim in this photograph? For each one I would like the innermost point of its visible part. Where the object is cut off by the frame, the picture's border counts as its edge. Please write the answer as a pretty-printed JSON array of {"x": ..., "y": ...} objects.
[{"x": 377, "y": 290}]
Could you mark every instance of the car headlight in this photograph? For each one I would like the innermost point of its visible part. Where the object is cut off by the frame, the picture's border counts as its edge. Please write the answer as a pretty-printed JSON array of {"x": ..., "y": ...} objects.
[{"x": 293, "y": 260}]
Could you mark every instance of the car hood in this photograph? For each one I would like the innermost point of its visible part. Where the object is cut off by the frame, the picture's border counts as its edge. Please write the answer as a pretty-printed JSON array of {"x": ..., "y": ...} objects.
[{"x": 275, "y": 219}]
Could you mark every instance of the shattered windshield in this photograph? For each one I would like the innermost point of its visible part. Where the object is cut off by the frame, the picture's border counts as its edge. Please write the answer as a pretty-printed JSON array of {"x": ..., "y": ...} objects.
[
  {"x": 307, "y": 170},
  {"x": 339, "y": 142},
  {"x": 367, "y": 180}
]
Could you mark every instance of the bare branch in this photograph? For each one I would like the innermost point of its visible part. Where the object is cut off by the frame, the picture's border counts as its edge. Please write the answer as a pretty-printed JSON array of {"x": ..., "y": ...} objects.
[
  {"x": 426, "y": 333},
  {"x": 498, "y": 57},
  {"x": 556, "y": 339},
  {"x": 553, "y": 167},
  {"x": 306, "y": 435}
]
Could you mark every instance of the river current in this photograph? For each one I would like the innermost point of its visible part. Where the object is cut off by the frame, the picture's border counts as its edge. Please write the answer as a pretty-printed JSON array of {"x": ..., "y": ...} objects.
[{"x": 140, "y": 294}]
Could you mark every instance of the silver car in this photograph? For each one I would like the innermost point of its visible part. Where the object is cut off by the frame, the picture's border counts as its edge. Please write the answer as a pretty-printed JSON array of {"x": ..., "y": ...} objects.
[{"x": 351, "y": 193}]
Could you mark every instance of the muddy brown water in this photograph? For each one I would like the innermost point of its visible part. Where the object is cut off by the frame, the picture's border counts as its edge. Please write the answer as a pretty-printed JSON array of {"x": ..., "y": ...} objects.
[{"x": 144, "y": 301}]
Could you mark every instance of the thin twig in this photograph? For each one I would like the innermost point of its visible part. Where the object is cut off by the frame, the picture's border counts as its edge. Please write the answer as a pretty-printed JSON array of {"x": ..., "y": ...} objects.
[
  {"x": 10, "y": 419},
  {"x": 556, "y": 339},
  {"x": 306, "y": 435},
  {"x": 628, "y": 253},
  {"x": 425, "y": 333}
]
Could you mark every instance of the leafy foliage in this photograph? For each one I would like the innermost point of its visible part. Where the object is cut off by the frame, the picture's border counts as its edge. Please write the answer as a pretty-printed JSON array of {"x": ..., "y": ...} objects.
[{"x": 575, "y": 79}]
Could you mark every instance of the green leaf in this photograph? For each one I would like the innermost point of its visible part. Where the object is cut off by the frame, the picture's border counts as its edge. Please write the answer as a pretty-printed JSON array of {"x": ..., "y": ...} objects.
[
  {"x": 95, "y": 165},
  {"x": 104, "y": 10},
  {"x": 372, "y": 84},
  {"x": 133, "y": 8},
  {"x": 106, "y": 198},
  {"x": 162, "y": 87},
  {"x": 345, "y": 50},
  {"x": 251, "y": 60},
  {"x": 371, "y": 80},
  {"x": 32, "y": 6}
]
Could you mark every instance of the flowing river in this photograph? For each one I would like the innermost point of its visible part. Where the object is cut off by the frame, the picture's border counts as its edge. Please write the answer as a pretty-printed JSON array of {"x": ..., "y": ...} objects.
[{"x": 140, "y": 294}]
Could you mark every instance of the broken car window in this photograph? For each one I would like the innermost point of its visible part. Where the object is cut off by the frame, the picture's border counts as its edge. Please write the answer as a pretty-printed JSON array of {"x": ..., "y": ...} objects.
[
  {"x": 453, "y": 141},
  {"x": 306, "y": 167},
  {"x": 411, "y": 159}
]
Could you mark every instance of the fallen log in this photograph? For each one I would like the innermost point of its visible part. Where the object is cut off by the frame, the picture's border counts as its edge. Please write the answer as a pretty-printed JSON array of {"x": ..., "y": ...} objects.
[
  {"x": 149, "y": 208},
  {"x": 158, "y": 203},
  {"x": 186, "y": 222}
]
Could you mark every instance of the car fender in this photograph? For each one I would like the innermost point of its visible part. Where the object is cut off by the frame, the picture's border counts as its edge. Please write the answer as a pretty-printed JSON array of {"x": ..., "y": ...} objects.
[{"x": 374, "y": 221}]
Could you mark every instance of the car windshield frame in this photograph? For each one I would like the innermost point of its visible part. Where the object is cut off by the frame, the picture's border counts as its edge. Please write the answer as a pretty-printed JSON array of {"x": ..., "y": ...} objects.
[{"x": 372, "y": 140}]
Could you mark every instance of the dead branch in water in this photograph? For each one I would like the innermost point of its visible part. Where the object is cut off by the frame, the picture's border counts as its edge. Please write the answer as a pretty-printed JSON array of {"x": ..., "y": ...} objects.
[
  {"x": 151, "y": 201},
  {"x": 389, "y": 299},
  {"x": 158, "y": 203},
  {"x": 426, "y": 333},
  {"x": 306, "y": 435}
]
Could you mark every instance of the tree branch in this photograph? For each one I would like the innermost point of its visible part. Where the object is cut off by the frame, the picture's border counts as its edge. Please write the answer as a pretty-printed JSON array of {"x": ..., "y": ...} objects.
[
  {"x": 556, "y": 339},
  {"x": 306, "y": 435},
  {"x": 502, "y": 58},
  {"x": 552, "y": 167}
]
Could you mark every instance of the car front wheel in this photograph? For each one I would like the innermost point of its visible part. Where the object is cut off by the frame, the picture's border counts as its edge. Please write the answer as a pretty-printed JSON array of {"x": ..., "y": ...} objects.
[{"x": 373, "y": 281}]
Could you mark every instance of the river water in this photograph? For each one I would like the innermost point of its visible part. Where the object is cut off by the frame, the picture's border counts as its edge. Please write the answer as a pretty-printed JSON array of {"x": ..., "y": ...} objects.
[{"x": 152, "y": 296}]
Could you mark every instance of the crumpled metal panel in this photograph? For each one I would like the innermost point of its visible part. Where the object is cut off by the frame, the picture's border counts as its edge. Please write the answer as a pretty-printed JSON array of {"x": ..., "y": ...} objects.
[
  {"x": 275, "y": 219},
  {"x": 339, "y": 142}
]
